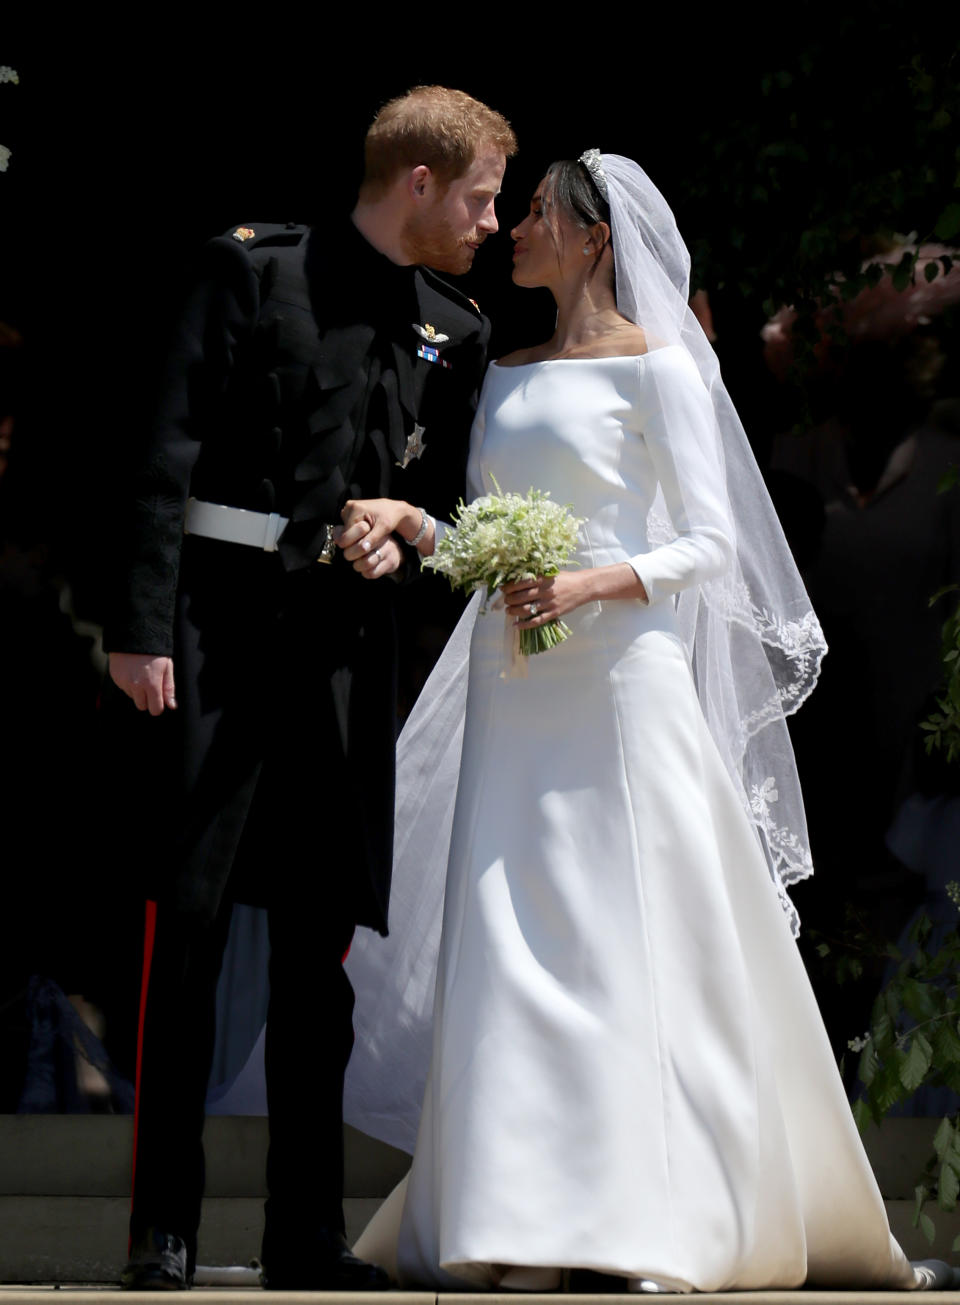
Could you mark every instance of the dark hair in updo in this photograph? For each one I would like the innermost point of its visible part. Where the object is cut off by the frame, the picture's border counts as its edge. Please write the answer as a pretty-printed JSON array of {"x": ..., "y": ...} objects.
[
  {"x": 571, "y": 190},
  {"x": 574, "y": 190}
]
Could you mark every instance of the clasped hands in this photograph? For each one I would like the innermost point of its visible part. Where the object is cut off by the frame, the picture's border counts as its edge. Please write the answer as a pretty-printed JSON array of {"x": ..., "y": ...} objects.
[
  {"x": 367, "y": 534},
  {"x": 366, "y": 541}
]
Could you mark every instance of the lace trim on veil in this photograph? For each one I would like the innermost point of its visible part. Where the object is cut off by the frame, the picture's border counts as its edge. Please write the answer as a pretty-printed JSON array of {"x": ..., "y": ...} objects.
[{"x": 794, "y": 651}]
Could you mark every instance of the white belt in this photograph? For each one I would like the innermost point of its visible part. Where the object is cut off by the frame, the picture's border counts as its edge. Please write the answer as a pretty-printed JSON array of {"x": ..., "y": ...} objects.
[{"x": 234, "y": 525}]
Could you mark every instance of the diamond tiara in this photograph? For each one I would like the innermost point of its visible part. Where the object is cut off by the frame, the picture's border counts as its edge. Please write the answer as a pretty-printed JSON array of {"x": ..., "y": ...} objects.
[{"x": 591, "y": 161}]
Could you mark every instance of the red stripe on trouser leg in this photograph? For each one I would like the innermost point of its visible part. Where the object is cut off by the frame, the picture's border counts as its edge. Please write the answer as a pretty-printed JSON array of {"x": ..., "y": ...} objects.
[{"x": 149, "y": 934}]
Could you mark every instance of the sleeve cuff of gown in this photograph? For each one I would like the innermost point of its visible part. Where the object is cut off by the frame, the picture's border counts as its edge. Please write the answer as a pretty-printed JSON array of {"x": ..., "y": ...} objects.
[{"x": 637, "y": 564}]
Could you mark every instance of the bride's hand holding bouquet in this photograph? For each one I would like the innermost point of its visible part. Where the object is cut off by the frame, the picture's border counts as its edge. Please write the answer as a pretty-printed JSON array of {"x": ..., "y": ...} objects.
[{"x": 516, "y": 544}]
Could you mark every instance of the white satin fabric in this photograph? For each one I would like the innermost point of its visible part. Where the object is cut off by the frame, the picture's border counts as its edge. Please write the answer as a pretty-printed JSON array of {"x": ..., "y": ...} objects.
[{"x": 628, "y": 1070}]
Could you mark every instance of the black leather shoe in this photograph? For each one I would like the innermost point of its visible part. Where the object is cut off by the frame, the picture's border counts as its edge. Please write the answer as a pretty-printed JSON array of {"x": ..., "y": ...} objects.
[
  {"x": 591, "y": 1282},
  {"x": 158, "y": 1262},
  {"x": 326, "y": 1264}
]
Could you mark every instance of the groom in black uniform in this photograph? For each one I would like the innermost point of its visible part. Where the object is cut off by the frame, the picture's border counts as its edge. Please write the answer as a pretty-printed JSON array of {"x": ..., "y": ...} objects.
[{"x": 311, "y": 367}]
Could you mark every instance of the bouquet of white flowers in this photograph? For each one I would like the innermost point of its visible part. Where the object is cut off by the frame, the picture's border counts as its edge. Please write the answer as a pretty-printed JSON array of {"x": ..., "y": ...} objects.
[{"x": 503, "y": 537}]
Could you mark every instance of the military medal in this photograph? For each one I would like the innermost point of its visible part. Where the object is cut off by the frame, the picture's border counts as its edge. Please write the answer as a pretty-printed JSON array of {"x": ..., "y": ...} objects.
[
  {"x": 430, "y": 333},
  {"x": 415, "y": 446},
  {"x": 244, "y": 233},
  {"x": 432, "y": 355}
]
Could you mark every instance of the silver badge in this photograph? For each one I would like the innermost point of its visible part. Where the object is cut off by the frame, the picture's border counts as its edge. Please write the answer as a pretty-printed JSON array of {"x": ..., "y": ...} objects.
[
  {"x": 329, "y": 550},
  {"x": 415, "y": 446}
]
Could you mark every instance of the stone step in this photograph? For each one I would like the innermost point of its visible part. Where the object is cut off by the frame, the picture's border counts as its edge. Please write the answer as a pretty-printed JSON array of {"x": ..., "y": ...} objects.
[
  {"x": 64, "y": 1192},
  {"x": 82, "y": 1239},
  {"x": 43, "y": 1294},
  {"x": 89, "y": 1155},
  {"x": 65, "y": 1239}
]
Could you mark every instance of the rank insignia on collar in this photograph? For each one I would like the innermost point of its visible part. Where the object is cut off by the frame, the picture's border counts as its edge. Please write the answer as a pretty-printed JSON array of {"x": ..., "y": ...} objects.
[
  {"x": 433, "y": 355},
  {"x": 415, "y": 446},
  {"x": 244, "y": 233},
  {"x": 430, "y": 333}
]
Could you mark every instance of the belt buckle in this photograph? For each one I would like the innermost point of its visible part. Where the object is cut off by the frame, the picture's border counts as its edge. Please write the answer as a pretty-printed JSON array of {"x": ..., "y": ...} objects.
[{"x": 329, "y": 549}]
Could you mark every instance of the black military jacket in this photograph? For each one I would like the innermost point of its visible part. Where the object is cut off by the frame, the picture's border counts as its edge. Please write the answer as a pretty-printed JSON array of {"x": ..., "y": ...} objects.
[
  {"x": 307, "y": 369},
  {"x": 304, "y": 363}
]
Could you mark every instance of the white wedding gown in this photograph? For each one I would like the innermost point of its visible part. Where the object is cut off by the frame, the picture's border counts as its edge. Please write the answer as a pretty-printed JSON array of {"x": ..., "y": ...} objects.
[{"x": 628, "y": 1072}]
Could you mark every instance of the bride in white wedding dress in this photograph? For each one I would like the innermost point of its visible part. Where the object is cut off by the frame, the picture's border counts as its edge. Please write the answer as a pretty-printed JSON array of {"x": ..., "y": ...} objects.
[{"x": 628, "y": 1073}]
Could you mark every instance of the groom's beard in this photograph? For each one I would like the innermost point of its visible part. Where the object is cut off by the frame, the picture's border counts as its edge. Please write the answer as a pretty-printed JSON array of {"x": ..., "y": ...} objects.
[{"x": 431, "y": 242}]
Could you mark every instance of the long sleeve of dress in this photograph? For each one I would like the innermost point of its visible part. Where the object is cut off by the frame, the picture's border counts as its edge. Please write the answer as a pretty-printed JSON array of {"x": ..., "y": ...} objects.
[{"x": 677, "y": 425}]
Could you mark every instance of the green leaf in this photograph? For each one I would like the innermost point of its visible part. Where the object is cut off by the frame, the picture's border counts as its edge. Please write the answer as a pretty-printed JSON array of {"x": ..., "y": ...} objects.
[
  {"x": 913, "y": 1068},
  {"x": 862, "y": 1114},
  {"x": 874, "y": 273},
  {"x": 946, "y": 1045},
  {"x": 920, "y": 928},
  {"x": 930, "y": 271},
  {"x": 927, "y": 1228},
  {"x": 948, "y": 223},
  {"x": 882, "y": 1024},
  {"x": 951, "y": 1076},
  {"x": 920, "y": 999},
  {"x": 869, "y": 1064},
  {"x": 823, "y": 949},
  {"x": 943, "y": 1137},
  {"x": 947, "y": 482},
  {"x": 920, "y": 1195},
  {"x": 956, "y": 1244},
  {"x": 902, "y": 274},
  {"x": 948, "y": 1188},
  {"x": 887, "y": 1089}
]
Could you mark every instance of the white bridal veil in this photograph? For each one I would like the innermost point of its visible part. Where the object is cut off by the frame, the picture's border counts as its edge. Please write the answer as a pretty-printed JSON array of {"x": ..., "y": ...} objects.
[
  {"x": 753, "y": 639},
  {"x": 754, "y": 643}
]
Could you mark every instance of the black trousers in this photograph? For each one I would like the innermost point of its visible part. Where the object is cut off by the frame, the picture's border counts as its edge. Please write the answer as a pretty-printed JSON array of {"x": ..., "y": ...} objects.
[{"x": 308, "y": 1043}]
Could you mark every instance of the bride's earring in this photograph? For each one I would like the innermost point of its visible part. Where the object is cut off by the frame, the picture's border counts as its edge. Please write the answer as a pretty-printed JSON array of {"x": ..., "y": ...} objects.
[{"x": 586, "y": 249}]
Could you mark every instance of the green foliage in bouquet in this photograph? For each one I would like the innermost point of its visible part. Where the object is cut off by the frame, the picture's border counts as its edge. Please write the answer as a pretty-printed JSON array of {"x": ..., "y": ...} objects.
[{"x": 503, "y": 537}]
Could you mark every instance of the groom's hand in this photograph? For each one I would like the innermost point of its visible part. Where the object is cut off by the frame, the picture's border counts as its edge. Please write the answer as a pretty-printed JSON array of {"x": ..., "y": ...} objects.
[
  {"x": 368, "y": 524},
  {"x": 146, "y": 679}
]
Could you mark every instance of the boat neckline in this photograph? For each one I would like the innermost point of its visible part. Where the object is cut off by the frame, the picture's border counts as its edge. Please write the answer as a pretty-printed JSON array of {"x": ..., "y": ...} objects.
[{"x": 609, "y": 357}]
